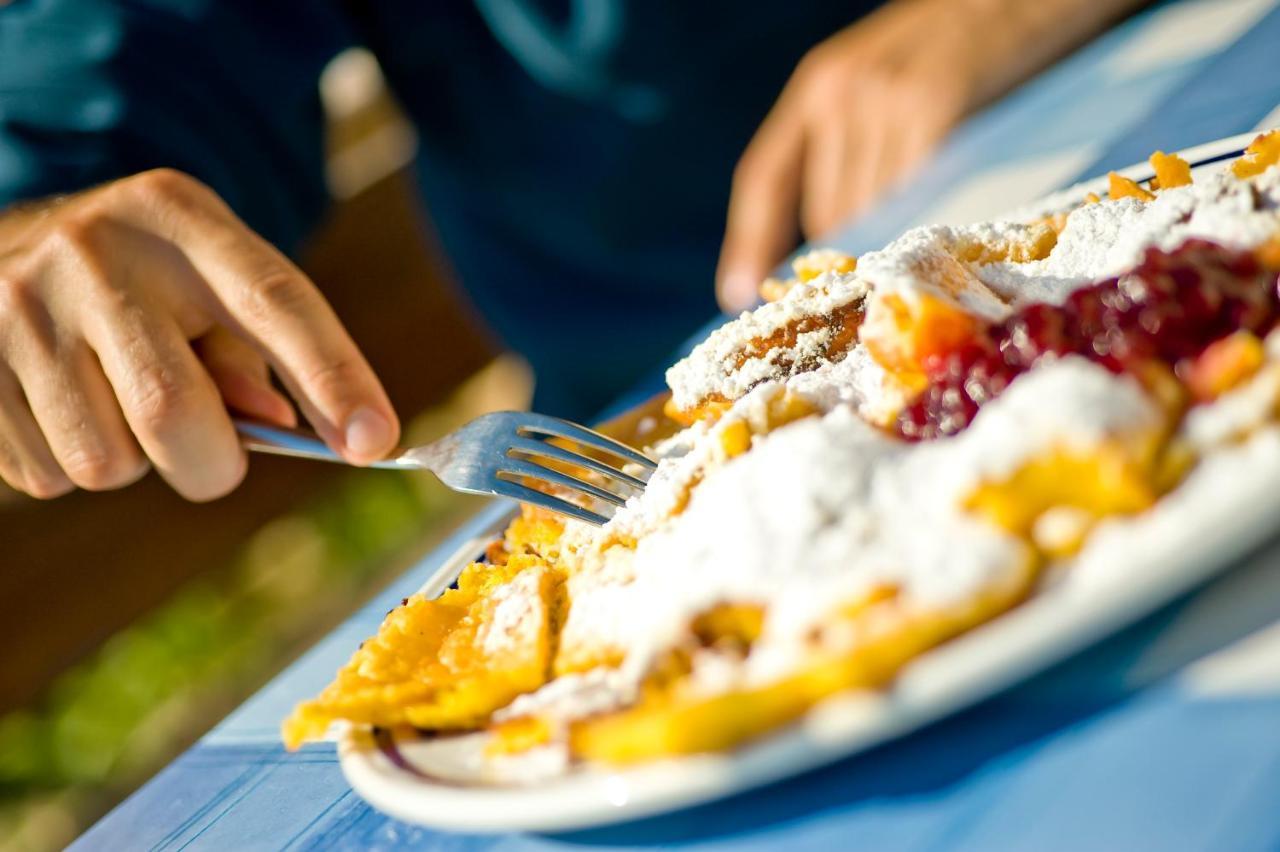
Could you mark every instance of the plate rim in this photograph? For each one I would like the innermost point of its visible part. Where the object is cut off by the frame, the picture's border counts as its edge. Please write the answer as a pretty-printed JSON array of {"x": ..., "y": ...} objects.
[{"x": 599, "y": 797}]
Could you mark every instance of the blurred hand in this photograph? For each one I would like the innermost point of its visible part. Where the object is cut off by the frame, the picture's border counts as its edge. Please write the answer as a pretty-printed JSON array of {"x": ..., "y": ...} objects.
[
  {"x": 865, "y": 107},
  {"x": 133, "y": 315}
]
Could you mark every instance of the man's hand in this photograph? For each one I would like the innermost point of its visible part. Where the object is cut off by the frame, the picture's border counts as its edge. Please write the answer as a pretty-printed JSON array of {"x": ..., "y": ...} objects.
[
  {"x": 865, "y": 107},
  {"x": 133, "y": 315}
]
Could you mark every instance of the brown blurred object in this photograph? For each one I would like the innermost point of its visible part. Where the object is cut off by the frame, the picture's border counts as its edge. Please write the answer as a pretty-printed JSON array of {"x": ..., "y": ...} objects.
[{"x": 75, "y": 570}]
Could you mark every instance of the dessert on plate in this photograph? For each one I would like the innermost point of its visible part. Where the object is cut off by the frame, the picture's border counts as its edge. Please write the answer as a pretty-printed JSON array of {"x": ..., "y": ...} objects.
[{"x": 889, "y": 452}]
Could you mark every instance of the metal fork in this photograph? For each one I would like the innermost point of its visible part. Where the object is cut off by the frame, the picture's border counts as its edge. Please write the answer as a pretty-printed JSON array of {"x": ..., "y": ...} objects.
[{"x": 495, "y": 454}]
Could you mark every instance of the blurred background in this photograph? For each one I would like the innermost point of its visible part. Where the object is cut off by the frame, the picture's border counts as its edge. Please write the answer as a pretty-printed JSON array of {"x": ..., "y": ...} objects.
[{"x": 132, "y": 621}]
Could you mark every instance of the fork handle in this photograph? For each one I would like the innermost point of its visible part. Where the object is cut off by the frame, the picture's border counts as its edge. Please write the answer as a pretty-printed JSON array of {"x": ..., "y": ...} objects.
[{"x": 298, "y": 443}]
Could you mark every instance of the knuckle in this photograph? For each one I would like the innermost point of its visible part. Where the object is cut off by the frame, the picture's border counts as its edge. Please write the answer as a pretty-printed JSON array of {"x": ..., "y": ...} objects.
[
  {"x": 334, "y": 377},
  {"x": 159, "y": 401},
  {"x": 274, "y": 293},
  {"x": 167, "y": 186},
  {"x": 812, "y": 63},
  {"x": 96, "y": 469},
  {"x": 280, "y": 289},
  {"x": 162, "y": 182},
  {"x": 80, "y": 238},
  {"x": 819, "y": 72},
  {"x": 45, "y": 486}
]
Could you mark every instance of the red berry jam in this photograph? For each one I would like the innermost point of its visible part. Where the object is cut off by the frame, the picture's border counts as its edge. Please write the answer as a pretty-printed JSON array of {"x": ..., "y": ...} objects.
[{"x": 1169, "y": 308}]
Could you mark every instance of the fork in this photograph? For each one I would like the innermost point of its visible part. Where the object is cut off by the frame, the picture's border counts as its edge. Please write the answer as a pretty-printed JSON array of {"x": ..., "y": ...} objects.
[{"x": 503, "y": 454}]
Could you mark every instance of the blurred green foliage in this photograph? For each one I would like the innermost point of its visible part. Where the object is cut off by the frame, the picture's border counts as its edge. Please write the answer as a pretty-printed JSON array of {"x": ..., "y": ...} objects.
[
  {"x": 118, "y": 716},
  {"x": 148, "y": 692}
]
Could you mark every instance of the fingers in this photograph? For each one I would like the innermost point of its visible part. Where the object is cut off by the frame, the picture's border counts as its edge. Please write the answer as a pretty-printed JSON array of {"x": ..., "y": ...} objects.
[
  {"x": 99, "y": 298},
  {"x": 77, "y": 413},
  {"x": 761, "y": 223},
  {"x": 830, "y": 147},
  {"x": 286, "y": 317},
  {"x": 910, "y": 124},
  {"x": 859, "y": 112},
  {"x": 243, "y": 378},
  {"x": 865, "y": 173},
  {"x": 168, "y": 399},
  {"x": 266, "y": 299},
  {"x": 26, "y": 462},
  {"x": 920, "y": 138}
]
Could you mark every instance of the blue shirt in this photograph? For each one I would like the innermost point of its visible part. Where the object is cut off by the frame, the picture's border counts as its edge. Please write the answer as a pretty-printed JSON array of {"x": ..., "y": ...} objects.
[{"x": 575, "y": 155}]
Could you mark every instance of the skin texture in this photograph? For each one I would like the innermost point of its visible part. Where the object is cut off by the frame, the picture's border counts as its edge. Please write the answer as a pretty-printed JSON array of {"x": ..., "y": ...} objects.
[
  {"x": 865, "y": 108},
  {"x": 134, "y": 314}
]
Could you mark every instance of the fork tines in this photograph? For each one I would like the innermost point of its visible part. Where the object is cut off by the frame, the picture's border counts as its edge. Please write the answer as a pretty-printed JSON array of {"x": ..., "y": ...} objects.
[{"x": 530, "y": 450}]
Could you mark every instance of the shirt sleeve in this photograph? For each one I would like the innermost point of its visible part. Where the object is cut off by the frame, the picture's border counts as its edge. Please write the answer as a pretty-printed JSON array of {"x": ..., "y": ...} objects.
[{"x": 226, "y": 90}]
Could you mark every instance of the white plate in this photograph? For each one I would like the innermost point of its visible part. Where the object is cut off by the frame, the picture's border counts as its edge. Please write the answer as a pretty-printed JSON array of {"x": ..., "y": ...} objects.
[{"x": 435, "y": 782}]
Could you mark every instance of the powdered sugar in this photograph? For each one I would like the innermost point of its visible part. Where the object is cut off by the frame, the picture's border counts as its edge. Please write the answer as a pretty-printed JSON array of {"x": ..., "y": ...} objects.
[
  {"x": 516, "y": 618},
  {"x": 823, "y": 510},
  {"x": 572, "y": 696},
  {"x": 924, "y": 261},
  {"x": 716, "y": 366},
  {"x": 1080, "y": 256},
  {"x": 1105, "y": 239},
  {"x": 1233, "y": 476},
  {"x": 1237, "y": 413},
  {"x": 858, "y": 381}
]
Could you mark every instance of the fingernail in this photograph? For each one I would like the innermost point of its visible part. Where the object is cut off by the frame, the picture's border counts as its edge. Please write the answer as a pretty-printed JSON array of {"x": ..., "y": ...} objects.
[
  {"x": 368, "y": 433},
  {"x": 738, "y": 291}
]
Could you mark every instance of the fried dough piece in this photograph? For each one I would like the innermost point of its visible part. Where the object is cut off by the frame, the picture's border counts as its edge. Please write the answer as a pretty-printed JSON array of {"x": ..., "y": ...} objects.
[
  {"x": 878, "y": 638},
  {"x": 1262, "y": 153},
  {"x": 1171, "y": 170},
  {"x": 446, "y": 663},
  {"x": 1119, "y": 186}
]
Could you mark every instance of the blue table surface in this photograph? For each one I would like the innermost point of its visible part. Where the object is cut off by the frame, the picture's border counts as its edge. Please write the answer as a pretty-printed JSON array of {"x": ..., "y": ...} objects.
[{"x": 1166, "y": 736}]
